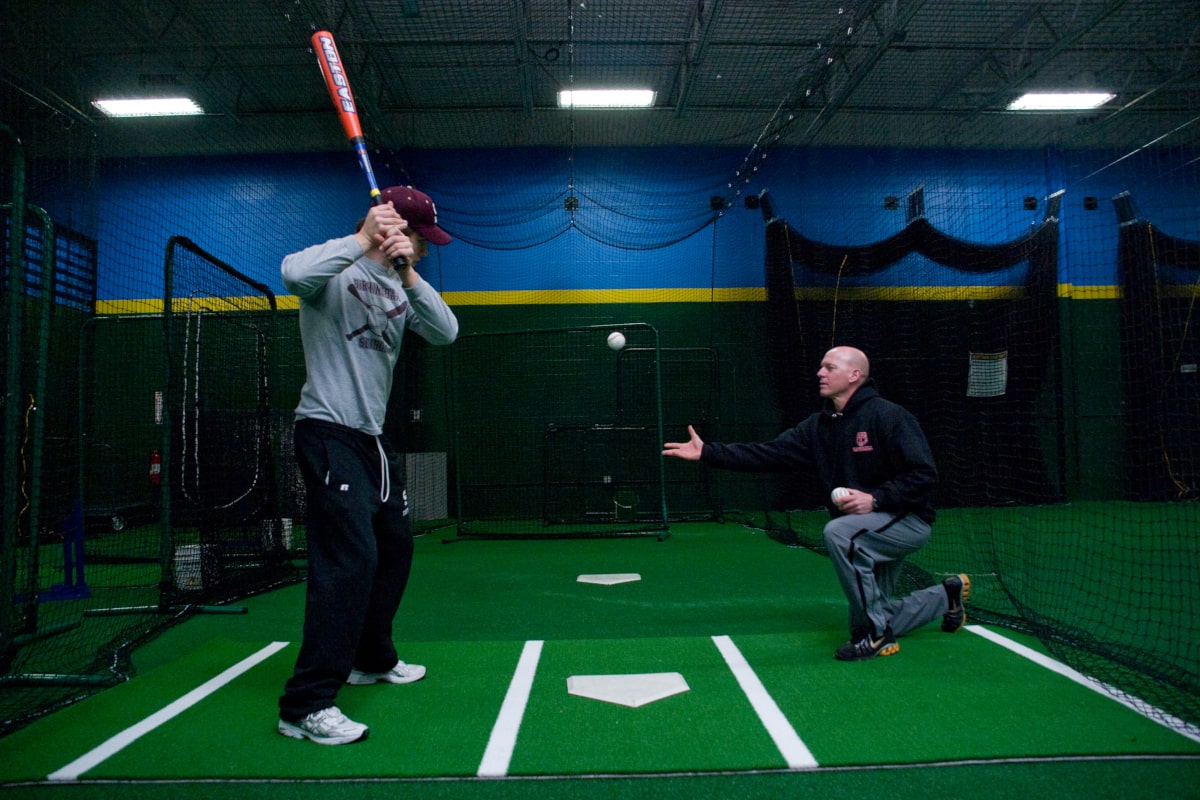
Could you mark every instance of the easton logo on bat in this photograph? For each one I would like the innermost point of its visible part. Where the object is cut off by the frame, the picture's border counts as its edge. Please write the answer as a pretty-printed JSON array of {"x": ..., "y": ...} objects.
[{"x": 337, "y": 74}]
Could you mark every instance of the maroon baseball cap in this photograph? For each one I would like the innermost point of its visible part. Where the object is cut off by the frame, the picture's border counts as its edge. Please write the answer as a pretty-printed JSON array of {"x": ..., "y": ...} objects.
[{"x": 418, "y": 211}]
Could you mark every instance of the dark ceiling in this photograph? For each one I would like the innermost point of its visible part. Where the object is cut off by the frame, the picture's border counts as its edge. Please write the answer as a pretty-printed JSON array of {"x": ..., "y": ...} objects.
[{"x": 923, "y": 73}]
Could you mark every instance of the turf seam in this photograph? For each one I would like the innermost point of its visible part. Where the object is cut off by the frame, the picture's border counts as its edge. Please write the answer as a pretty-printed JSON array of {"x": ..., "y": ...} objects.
[{"x": 971, "y": 762}]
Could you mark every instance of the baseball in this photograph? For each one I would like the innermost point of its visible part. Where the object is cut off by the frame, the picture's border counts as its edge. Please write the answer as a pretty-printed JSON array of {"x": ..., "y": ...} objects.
[
  {"x": 839, "y": 493},
  {"x": 616, "y": 340}
]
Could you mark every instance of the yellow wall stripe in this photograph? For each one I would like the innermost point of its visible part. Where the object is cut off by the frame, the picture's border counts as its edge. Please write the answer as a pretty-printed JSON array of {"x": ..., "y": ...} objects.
[
  {"x": 748, "y": 294},
  {"x": 1089, "y": 292},
  {"x": 590, "y": 296}
]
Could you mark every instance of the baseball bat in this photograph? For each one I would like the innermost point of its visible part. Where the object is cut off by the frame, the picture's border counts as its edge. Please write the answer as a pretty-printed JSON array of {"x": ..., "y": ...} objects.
[{"x": 338, "y": 83}]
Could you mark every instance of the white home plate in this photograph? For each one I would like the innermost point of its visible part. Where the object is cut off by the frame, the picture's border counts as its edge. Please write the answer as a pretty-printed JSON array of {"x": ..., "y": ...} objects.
[
  {"x": 610, "y": 578},
  {"x": 627, "y": 690}
]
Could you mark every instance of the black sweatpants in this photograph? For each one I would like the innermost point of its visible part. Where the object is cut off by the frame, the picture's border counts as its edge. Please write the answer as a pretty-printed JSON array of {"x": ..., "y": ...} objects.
[{"x": 360, "y": 552}]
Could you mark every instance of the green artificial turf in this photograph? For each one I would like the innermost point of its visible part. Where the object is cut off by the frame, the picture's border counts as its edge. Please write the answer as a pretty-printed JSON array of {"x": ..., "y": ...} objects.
[{"x": 944, "y": 699}]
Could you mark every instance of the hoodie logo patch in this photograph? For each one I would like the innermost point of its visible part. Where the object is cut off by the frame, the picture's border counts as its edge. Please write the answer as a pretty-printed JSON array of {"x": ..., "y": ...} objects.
[{"x": 861, "y": 443}]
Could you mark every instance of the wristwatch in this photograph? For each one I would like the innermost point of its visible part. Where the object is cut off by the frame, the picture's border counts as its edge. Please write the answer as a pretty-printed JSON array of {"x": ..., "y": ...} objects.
[{"x": 874, "y": 503}]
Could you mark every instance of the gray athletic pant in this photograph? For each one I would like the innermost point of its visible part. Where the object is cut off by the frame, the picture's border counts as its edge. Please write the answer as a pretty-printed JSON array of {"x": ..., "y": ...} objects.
[{"x": 867, "y": 551}]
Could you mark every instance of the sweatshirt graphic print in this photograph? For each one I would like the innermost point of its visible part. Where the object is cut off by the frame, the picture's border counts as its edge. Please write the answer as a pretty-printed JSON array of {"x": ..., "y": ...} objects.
[{"x": 354, "y": 313}]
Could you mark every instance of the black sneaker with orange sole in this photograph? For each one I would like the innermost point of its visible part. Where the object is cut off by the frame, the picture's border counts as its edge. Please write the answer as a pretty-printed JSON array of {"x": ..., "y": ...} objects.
[
  {"x": 868, "y": 647},
  {"x": 958, "y": 589}
]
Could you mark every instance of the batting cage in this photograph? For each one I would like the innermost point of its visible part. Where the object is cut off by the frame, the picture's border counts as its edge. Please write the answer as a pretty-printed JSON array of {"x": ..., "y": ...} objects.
[
  {"x": 221, "y": 442},
  {"x": 1159, "y": 275},
  {"x": 807, "y": 175},
  {"x": 576, "y": 435}
]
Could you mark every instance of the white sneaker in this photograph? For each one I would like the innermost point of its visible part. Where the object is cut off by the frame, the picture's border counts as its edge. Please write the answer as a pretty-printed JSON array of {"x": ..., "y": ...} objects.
[
  {"x": 401, "y": 673},
  {"x": 327, "y": 726}
]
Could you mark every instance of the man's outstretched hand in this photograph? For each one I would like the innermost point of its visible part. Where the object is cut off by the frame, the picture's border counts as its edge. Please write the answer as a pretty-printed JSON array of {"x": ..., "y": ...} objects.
[{"x": 690, "y": 450}]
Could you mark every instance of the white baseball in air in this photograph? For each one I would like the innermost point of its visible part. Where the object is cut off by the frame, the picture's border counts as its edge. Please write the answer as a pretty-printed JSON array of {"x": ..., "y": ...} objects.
[
  {"x": 839, "y": 493},
  {"x": 616, "y": 340}
]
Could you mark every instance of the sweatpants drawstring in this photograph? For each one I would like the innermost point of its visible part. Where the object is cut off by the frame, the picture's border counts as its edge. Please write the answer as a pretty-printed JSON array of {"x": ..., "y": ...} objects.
[{"x": 385, "y": 478}]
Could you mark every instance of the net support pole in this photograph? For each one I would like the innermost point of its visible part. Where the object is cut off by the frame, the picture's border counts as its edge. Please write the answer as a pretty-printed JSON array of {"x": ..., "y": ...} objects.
[
  {"x": 35, "y": 430},
  {"x": 12, "y": 380}
]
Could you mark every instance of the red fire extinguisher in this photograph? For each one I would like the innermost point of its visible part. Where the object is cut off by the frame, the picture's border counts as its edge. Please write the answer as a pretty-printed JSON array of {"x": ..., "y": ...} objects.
[{"x": 155, "y": 468}]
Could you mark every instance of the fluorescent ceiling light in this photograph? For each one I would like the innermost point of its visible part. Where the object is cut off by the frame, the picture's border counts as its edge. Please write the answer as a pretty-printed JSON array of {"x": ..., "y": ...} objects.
[
  {"x": 148, "y": 107},
  {"x": 1060, "y": 101},
  {"x": 605, "y": 98}
]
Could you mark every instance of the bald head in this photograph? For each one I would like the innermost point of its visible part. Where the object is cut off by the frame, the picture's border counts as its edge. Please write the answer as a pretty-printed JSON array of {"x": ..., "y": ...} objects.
[
  {"x": 853, "y": 358},
  {"x": 843, "y": 370}
]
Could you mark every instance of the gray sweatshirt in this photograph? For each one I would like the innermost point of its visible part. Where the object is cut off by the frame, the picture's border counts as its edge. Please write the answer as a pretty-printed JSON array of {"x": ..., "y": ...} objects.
[{"x": 353, "y": 314}]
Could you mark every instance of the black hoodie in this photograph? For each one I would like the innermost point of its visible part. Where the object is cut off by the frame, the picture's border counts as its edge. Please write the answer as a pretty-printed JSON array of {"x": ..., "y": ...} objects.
[{"x": 874, "y": 446}]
